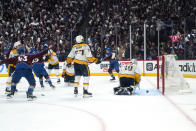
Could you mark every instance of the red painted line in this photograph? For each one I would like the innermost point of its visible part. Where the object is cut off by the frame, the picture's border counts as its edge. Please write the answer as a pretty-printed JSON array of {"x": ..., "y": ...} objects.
[
  {"x": 181, "y": 111},
  {"x": 177, "y": 107},
  {"x": 102, "y": 124}
]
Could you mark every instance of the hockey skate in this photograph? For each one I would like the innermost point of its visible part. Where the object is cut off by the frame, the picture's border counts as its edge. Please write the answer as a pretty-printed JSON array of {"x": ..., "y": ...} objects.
[
  {"x": 30, "y": 96},
  {"x": 86, "y": 94},
  {"x": 52, "y": 86},
  {"x": 10, "y": 94},
  {"x": 113, "y": 78},
  {"x": 7, "y": 90},
  {"x": 58, "y": 81},
  {"x": 76, "y": 91}
]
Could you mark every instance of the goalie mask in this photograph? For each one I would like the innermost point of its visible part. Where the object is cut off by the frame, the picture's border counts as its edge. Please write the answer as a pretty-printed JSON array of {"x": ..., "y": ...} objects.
[{"x": 134, "y": 61}]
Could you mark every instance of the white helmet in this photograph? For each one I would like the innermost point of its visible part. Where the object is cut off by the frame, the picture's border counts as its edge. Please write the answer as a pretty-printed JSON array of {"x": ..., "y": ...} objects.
[
  {"x": 17, "y": 44},
  {"x": 79, "y": 39}
]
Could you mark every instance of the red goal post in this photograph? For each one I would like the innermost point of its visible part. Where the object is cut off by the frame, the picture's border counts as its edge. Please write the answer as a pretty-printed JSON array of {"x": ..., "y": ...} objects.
[{"x": 169, "y": 77}]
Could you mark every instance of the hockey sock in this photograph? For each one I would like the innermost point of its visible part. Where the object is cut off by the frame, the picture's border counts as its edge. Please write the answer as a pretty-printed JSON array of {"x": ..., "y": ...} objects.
[
  {"x": 13, "y": 87},
  {"x": 41, "y": 81},
  {"x": 30, "y": 90},
  {"x": 112, "y": 75},
  {"x": 86, "y": 83},
  {"x": 49, "y": 81}
]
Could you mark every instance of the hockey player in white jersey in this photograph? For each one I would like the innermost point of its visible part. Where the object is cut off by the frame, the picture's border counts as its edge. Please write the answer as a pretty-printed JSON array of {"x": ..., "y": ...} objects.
[
  {"x": 81, "y": 55},
  {"x": 11, "y": 67},
  {"x": 129, "y": 76},
  {"x": 68, "y": 74},
  {"x": 53, "y": 63}
]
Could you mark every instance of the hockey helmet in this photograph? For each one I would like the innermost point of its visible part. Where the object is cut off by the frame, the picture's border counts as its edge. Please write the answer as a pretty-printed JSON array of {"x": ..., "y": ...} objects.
[
  {"x": 134, "y": 61},
  {"x": 79, "y": 39},
  {"x": 109, "y": 50},
  {"x": 17, "y": 44}
]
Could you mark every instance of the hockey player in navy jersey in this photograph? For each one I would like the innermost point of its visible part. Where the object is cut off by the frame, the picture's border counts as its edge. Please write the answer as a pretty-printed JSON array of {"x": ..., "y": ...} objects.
[
  {"x": 40, "y": 71},
  {"x": 111, "y": 57},
  {"x": 24, "y": 64}
]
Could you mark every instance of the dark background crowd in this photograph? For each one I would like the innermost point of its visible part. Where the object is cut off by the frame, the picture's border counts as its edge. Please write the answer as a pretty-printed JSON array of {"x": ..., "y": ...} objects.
[{"x": 103, "y": 23}]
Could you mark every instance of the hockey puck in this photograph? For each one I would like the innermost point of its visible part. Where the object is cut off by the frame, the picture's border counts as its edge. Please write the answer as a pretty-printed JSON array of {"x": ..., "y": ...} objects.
[
  {"x": 147, "y": 91},
  {"x": 42, "y": 95}
]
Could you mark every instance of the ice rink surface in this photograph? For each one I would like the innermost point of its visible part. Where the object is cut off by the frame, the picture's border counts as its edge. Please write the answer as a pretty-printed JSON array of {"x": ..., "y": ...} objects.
[{"x": 58, "y": 109}]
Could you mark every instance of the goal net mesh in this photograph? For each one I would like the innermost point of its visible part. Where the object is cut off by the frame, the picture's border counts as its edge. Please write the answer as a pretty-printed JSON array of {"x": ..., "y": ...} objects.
[{"x": 170, "y": 78}]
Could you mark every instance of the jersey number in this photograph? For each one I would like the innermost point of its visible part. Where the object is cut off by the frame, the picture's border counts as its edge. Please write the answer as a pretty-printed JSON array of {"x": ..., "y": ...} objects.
[
  {"x": 129, "y": 68},
  {"x": 22, "y": 58},
  {"x": 80, "y": 52}
]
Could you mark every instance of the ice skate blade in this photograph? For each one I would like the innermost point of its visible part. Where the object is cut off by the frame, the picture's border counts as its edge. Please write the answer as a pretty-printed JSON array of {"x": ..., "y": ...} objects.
[
  {"x": 87, "y": 96},
  {"x": 31, "y": 99},
  {"x": 75, "y": 95},
  {"x": 9, "y": 97}
]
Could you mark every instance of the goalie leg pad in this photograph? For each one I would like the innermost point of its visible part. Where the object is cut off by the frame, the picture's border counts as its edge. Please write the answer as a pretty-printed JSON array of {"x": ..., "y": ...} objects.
[{"x": 123, "y": 90}]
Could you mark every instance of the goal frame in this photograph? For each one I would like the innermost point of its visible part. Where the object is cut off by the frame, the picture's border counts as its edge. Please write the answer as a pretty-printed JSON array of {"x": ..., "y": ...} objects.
[
  {"x": 162, "y": 68},
  {"x": 169, "y": 76}
]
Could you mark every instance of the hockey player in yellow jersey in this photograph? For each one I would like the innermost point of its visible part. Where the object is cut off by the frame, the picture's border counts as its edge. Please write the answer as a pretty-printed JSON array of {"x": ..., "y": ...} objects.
[
  {"x": 11, "y": 68},
  {"x": 68, "y": 74},
  {"x": 129, "y": 77},
  {"x": 81, "y": 55},
  {"x": 53, "y": 63}
]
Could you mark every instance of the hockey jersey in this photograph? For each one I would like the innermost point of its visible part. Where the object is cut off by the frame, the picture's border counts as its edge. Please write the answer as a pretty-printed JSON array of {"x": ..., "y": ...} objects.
[
  {"x": 69, "y": 70},
  {"x": 81, "y": 54},
  {"x": 12, "y": 54},
  {"x": 25, "y": 61},
  {"x": 110, "y": 54},
  {"x": 53, "y": 59},
  {"x": 131, "y": 71}
]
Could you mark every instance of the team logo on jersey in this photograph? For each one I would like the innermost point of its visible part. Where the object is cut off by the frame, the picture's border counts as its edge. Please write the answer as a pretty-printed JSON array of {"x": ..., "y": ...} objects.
[{"x": 35, "y": 60}]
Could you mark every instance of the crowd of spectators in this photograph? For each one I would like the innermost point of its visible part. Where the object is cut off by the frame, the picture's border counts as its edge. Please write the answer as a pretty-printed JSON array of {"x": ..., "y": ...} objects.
[
  {"x": 104, "y": 23},
  {"x": 110, "y": 21},
  {"x": 32, "y": 22}
]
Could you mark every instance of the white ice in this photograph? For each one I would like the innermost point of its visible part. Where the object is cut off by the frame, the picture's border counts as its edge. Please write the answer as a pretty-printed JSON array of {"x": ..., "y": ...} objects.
[{"x": 58, "y": 109}]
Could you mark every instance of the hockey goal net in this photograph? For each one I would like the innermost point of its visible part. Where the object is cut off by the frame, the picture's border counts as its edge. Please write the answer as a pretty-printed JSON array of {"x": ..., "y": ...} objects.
[{"x": 170, "y": 80}]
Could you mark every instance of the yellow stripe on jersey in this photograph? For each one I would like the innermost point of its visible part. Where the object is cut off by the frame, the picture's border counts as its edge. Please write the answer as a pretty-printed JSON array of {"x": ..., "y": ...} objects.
[
  {"x": 76, "y": 83},
  {"x": 69, "y": 60},
  {"x": 85, "y": 84},
  {"x": 126, "y": 75},
  {"x": 80, "y": 62},
  {"x": 69, "y": 74},
  {"x": 137, "y": 77},
  {"x": 92, "y": 59},
  {"x": 55, "y": 63},
  {"x": 80, "y": 45}
]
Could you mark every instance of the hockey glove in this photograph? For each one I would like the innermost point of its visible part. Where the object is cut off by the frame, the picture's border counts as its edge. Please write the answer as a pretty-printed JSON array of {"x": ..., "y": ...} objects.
[
  {"x": 98, "y": 61},
  {"x": 63, "y": 73},
  {"x": 46, "y": 44},
  {"x": 68, "y": 65}
]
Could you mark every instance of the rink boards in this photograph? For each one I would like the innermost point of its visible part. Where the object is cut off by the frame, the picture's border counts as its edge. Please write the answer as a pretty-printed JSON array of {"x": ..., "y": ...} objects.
[{"x": 147, "y": 68}]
